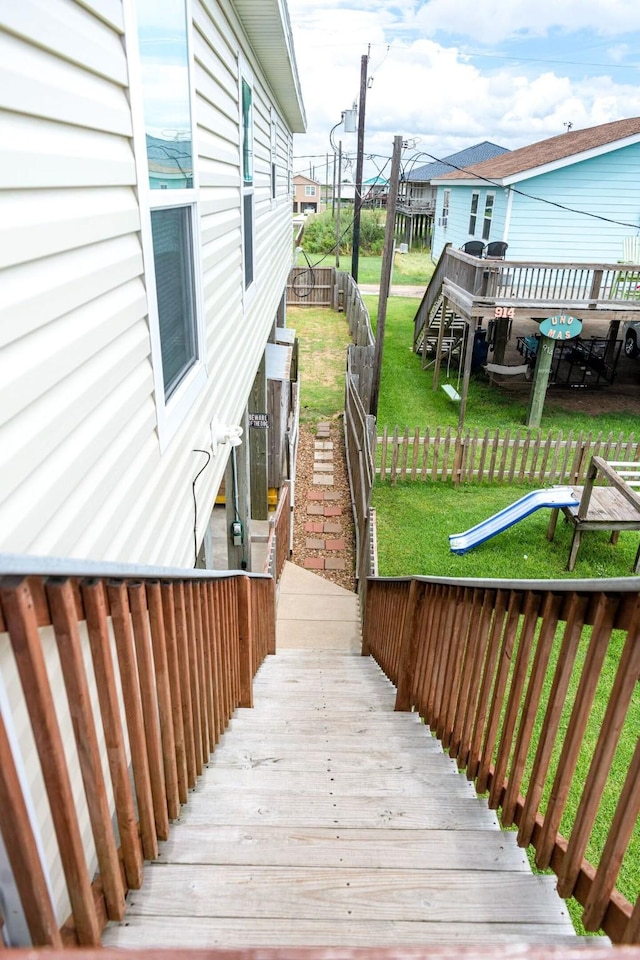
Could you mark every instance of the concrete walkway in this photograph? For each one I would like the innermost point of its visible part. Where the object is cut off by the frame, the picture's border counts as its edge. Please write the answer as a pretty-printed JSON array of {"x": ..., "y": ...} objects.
[
  {"x": 397, "y": 290},
  {"x": 315, "y": 614}
]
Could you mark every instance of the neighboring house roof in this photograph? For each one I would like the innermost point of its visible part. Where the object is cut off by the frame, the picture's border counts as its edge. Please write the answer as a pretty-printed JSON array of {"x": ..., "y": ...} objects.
[
  {"x": 267, "y": 25},
  {"x": 463, "y": 158},
  {"x": 300, "y": 179},
  {"x": 376, "y": 182},
  {"x": 558, "y": 151}
]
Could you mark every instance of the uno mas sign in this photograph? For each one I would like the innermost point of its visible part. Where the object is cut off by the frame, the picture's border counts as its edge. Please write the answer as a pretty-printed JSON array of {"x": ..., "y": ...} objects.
[{"x": 561, "y": 327}]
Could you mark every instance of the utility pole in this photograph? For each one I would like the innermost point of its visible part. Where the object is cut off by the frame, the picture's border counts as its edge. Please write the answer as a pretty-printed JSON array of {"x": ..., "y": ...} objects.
[
  {"x": 357, "y": 200},
  {"x": 339, "y": 204},
  {"x": 385, "y": 276}
]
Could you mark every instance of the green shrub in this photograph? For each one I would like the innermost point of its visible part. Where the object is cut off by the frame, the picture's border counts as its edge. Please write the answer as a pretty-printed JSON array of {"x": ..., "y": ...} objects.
[{"x": 320, "y": 232}]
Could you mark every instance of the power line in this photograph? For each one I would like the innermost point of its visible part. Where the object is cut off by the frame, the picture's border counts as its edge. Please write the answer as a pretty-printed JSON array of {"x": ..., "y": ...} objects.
[{"x": 523, "y": 193}]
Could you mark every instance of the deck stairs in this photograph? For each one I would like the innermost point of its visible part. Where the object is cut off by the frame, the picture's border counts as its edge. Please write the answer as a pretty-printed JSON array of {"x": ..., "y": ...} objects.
[
  {"x": 325, "y": 818},
  {"x": 426, "y": 339}
]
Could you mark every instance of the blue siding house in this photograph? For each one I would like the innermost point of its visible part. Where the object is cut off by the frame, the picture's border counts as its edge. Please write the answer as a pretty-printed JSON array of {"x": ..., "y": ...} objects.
[{"x": 574, "y": 197}]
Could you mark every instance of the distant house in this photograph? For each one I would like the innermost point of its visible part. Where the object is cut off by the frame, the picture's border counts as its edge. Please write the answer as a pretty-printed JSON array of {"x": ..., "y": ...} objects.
[
  {"x": 573, "y": 197},
  {"x": 145, "y": 228},
  {"x": 306, "y": 194},
  {"x": 417, "y": 194},
  {"x": 375, "y": 191}
]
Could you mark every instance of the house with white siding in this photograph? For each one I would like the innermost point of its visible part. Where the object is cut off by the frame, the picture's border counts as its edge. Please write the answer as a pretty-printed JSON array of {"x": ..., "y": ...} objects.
[
  {"x": 145, "y": 243},
  {"x": 573, "y": 197}
]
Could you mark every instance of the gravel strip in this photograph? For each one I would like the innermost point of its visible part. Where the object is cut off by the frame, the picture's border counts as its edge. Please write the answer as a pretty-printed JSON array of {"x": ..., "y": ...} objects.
[{"x": 304, "y": 485}]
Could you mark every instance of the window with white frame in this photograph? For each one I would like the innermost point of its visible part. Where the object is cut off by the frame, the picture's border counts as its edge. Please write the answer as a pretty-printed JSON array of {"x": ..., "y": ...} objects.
[
  {"x": 489, "y": 203},
  {"x": 246, "y": 96},
  {"x": 161, "y": 97},
  {"x": 446, "y": 198},
  {"x": 309, "y": 191},
  {"x": 473, "y": 215}
]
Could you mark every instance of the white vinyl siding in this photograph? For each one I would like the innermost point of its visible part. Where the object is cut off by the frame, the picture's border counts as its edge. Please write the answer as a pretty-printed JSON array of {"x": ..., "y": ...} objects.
[{"x": 82, "y": 471}]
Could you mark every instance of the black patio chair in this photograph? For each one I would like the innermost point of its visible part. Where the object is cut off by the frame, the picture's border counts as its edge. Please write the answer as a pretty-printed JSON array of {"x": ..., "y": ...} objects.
[
  {"x": 496, "y": 250},
  {"x": 475, "y": 248}
]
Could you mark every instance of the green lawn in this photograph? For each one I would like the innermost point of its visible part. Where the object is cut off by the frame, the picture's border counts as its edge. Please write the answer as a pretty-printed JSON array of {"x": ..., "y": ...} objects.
[{"x": 415, "y": 519}]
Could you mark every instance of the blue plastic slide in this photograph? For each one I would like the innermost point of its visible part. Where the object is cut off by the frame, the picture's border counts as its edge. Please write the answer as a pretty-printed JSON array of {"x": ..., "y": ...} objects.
[{"x": 553, "y": 497}]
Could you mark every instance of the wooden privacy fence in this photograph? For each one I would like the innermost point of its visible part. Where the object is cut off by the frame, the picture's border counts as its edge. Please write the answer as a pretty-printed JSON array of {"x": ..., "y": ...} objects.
[
  {"x": 529, "y": 686},
  {"x": 106, "y": 672},
  {"x": 491, "y": 456},
  {"x": 312, "y": 287}
]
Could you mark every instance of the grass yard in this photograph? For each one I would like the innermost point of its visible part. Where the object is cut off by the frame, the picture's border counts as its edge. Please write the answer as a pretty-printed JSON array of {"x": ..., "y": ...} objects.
[
  {"x": 323, "y": 340},
  {"x": 409, "y": 269},
  {"x": 415, "y": 519}
]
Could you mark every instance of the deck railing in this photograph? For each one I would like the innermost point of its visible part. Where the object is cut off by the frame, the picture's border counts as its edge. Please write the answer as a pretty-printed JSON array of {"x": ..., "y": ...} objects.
[
  {"x": 513, "y": 280},
  {"x": 279, "y": 540},
  {"x": 529, "y": 686},
  {"x": 116, "y": 683}
]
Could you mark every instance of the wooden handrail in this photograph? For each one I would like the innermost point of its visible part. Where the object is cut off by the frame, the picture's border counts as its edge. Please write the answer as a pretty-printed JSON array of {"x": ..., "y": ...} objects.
[
  {"x": 493, "y": 667},
  {"x": 157, "y": 663}
]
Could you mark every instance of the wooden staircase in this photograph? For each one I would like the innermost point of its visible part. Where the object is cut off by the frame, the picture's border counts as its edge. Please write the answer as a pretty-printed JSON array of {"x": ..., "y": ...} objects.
[
  {"x": 326, "y": 818},
  {"x": 426, "y": 340}
]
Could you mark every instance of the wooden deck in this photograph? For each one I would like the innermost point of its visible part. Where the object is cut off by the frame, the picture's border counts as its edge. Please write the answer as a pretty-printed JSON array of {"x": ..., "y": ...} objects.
[{"x": 324, "y": 818}]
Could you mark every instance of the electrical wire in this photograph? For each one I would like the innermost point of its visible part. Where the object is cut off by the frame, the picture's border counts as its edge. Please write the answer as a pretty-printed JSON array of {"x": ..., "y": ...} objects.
[{"x": 195, "y": 502}]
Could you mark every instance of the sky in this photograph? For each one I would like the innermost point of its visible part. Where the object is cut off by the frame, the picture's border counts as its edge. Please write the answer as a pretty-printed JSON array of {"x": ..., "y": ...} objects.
[{"x": 445, "y": 74}]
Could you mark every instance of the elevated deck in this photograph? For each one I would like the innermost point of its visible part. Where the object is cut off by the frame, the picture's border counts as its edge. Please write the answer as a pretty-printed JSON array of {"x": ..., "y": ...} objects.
[{"x": 326, "y": 818}]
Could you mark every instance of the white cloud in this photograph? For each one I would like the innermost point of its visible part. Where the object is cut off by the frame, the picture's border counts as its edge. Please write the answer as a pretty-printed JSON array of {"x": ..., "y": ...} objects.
[{"x": 423, "y": 89}]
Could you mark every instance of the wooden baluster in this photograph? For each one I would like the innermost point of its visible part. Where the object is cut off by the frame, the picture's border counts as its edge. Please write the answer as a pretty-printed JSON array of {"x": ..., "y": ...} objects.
[
  {"x": 575, "y": 614},
  {"x": 65, "y": 625},
  {"x": 550, "y": 615},
  {"x": 617, "y": 708},
  {"x": 470, "y": 680},
  {"x": 93, "y": 596},
  {"x": 173, "y": 667},
  {"x": 488, "y": 671},
  {"x": 203, "y": 592},
  {"x": 128, "y": 670},
  {"x": 22, "y": 852},
  {"x": 149, "y": 700},
  {"x": 620, "y": 832},
  {"x": 603, "y": 622},
  {"x": 202, "y": 685},
  {"x": 19, "y": 613},
  {"x": 194, "y": 676},
  {"x": 163, "y": 692},
  {"x": 246, "y": 642},
  {"x": 215, "y": 662},
  {"x": 460, "y": 601},
  {"x": 514, "y": 700},
  {"x": 497, "y": 699},
  {"x": 408, "y": 649},
  {"x": 632, "y": 930},
  {"x": 182, "y": 642}
]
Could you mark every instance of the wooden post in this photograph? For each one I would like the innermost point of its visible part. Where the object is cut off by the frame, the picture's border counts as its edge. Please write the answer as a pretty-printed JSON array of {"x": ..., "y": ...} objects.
[
  {"x": 539, "y": 389},
  {"x": 22, "y": 851},
  {"x": 258, "y": 446},
  {"x": 406, "y": 667},
  {"x": 468, "y": 357},
  {"x": 20, "y": 616},
  {"x": 246, "y": 642}
]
